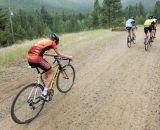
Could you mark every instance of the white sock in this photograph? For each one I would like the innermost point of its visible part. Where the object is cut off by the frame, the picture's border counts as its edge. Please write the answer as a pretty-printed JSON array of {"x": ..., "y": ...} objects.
[{"x": 45, "y": 91}]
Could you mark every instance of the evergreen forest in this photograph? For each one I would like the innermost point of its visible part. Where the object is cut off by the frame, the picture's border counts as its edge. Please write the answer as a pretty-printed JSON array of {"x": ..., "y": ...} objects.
[{"x": 22, "y": 24}]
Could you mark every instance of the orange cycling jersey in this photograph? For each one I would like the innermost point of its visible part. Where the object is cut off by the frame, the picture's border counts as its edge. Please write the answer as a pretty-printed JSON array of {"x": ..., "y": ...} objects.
[{"x": 42, "y": 46}]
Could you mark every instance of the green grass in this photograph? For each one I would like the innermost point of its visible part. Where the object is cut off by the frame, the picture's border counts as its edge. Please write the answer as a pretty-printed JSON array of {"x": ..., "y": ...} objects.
[{"x": 14, "y": 53}]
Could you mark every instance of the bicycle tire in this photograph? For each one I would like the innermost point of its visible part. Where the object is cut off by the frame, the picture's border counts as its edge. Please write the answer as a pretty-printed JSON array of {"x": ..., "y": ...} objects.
[
  {"x": 15, "y": 115},
  {"x": 129, "y": 42},
  {"x": 146, "y": 46},
  {"x": 134, "y": 41},
  {"x": 60, "y": 75}
]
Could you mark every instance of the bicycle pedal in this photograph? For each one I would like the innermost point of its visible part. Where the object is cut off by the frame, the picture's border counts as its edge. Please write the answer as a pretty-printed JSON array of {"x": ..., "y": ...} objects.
[
  {"x": 50, "y": 95},
  {"x": 46, "y": 98},
  {"x": 51, "y": 92}
]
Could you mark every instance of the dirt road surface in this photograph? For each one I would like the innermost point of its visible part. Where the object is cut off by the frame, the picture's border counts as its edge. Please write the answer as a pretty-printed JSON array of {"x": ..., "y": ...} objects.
[{"x": 116, "y": 88}]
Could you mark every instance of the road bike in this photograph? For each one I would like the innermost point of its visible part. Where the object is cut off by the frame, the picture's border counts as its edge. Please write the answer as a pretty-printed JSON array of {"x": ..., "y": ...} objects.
[
  {"x": 130, "y": 40},
  {"x": 148, "y": 42},
  {"x": 28, "y": 103}
]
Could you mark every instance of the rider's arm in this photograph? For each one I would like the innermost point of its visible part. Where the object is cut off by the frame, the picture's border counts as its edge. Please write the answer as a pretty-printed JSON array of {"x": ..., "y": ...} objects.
[
  {"x": 135, "y": 24},
  {"x": 61, "y": 55},
  {"x": 136, "y": 27},
  {"x": 152, "y": 24}
]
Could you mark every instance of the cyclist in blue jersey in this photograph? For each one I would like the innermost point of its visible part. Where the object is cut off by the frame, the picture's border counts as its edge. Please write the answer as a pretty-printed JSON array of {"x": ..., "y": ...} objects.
[{"x": 130, "y": 26}]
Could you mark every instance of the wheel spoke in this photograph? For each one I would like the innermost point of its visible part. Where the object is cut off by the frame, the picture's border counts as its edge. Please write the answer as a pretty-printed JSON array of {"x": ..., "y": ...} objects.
[
  {"x": 65, "y": 79},
  {"x": 27, "y": 105}
]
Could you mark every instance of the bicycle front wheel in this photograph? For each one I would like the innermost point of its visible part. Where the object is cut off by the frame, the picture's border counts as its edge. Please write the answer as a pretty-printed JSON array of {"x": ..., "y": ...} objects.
[
  {"x": 27, "y": 104},
  {"x": 65, "y": 78},
  {"x": 134, "y": 40},
  {"x": 146, "y": 45},
  {"x": 129, "y": 42}
]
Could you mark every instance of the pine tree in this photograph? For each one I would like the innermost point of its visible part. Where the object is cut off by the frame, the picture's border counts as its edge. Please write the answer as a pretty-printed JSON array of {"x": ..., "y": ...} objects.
[
  {"x": 136, "y": 11},
  {"x": 111, "y": 12},
  {"x": 56, "y": 22},
  {"x": 157, "y": 9},
  {"x": 116, "y": 13},
  {"x": 73, "y": 24},
  {"x": 96, "y": 14},
  {"x": 47, "y": 31},
  {"x": 131, "y": 11},
  {"x": 4, "y": 28},
  {"x": 30, "y": 27},
  {"x": 87, "y": 22},
  {"x": 106, "y": 11},
  {"x": 46, "y": 17},
  {"x": 39, "y": 25},
  {"x": 20, "y": 33},
  {"x": 141, "y": 9}
]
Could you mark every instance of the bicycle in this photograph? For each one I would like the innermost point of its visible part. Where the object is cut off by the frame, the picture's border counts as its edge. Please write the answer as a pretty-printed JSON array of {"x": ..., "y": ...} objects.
[
  {"x": 28, "y": 104},
  {"x": 131, "y": 39},
  {"x": 154, "y": 33},
  {"x": 148, "y": 42}
]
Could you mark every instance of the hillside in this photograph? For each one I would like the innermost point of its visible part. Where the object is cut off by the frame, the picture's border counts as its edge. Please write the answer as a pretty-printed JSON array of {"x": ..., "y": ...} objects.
[
  {"x": 82, "y": 5},
  {"x": 146, "y": 3}
]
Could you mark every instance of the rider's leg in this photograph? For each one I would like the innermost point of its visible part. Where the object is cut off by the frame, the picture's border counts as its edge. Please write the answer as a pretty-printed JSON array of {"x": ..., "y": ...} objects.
[
  {"x": 133, "y": 33},
  {"x": 129, "y": 33},
  {"x": 151, "y": 35},
  {"x": 146, "y": 32},
  {"x": 48, "y": 76},
  {"x": 154, "y": 32}
]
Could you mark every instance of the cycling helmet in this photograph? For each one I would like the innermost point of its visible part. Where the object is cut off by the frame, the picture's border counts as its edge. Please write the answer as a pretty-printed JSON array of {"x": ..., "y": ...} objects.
[
  {"x": 154, "y": 17},
  {"x": 54, "y": 37},
  {"x": 150, "y": 17},
  {"x": 132, "y": 18}
]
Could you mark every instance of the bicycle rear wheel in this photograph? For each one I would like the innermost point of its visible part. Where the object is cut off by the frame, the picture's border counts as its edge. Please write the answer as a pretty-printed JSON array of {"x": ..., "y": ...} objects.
[
  {"x": 129, "y": 42},
  {"x": 65, "y": 78},
  {"x": 27, "y": 104},
  {"x": 146, "y": 45}
]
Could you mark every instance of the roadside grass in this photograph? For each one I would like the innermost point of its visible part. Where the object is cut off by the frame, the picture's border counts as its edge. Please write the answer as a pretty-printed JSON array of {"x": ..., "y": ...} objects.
[
  {"x": 14, "y": 52},
  {"x": 70, "y": 42}
]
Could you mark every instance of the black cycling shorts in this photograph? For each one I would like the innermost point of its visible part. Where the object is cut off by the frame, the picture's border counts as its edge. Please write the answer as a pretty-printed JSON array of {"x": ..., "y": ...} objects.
[
  {"x": 146, "y": 29},
  {"x": 128, "y": 28},
  {"x": 154, "y": 28},
  {"x": 39, "y": 62}
]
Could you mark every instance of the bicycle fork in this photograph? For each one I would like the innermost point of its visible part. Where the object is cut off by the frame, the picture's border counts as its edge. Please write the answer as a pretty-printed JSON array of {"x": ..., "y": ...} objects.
[{"x": 64, "y": 74}]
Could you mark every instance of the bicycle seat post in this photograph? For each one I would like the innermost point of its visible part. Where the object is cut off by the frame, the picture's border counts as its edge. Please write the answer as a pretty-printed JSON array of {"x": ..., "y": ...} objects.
[{"x": 38, "y": 75}]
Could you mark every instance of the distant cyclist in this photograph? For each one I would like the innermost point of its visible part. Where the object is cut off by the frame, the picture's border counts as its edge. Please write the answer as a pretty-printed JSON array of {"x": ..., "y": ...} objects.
[
  {"x": 148, "y": 27},
  {"x": 155, "y": 26},
  {"x": 130, "y": 26},
  {"x": 36, "y": 59}
]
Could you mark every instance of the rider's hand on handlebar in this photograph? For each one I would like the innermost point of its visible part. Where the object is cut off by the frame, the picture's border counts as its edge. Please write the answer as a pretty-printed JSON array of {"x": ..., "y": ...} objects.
[
  {"x": 70, "y": 57},
  {"x": 136, "y": 28}
]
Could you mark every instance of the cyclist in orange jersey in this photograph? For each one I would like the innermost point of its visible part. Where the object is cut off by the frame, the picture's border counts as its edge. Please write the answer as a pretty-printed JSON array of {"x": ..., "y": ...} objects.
[{"x": 35, "y": 59}]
